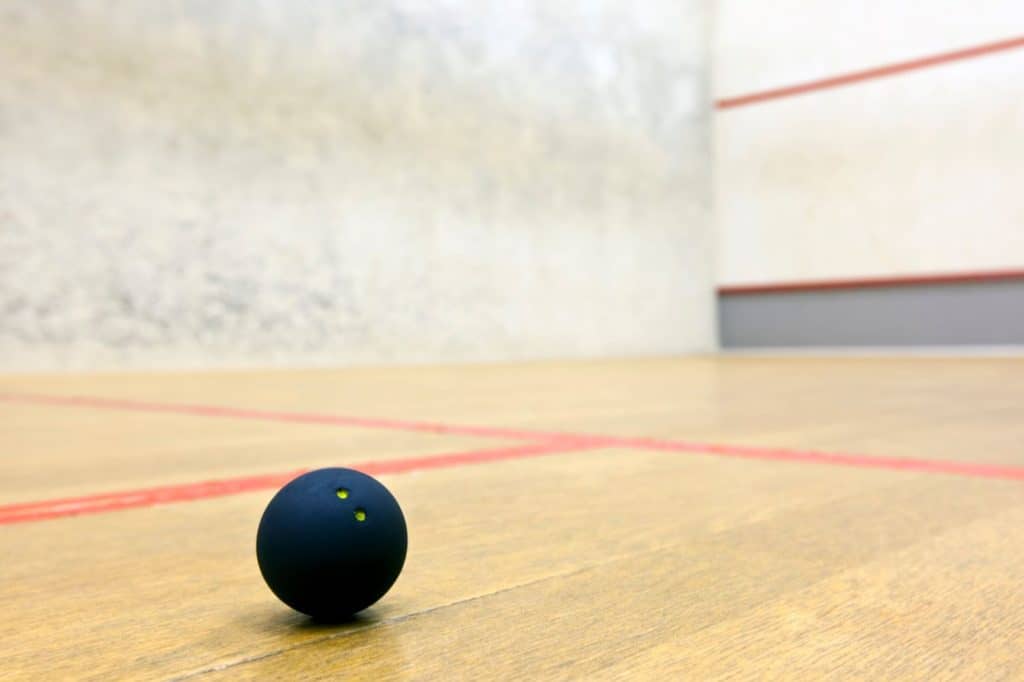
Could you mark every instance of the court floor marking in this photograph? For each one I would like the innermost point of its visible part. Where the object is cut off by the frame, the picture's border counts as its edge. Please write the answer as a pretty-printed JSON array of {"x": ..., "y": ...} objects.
[
  {"x": 276, "y": 416},
  {"x": 544, "y": 443},
  {"x": 24, "y": 512}
]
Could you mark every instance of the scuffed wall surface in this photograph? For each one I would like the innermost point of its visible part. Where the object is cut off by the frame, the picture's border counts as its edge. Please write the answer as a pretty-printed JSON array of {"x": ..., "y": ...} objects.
[
  {"x": 919, "y": 173},
  {"x": 192, "y": 184}
]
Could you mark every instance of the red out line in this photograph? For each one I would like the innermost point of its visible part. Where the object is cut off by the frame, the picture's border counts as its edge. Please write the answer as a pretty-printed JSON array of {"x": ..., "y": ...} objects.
[
  {"x": 870, "y": 74},
  {"x": 148, "y": 497},
  {"x": 874, "y": 282}
]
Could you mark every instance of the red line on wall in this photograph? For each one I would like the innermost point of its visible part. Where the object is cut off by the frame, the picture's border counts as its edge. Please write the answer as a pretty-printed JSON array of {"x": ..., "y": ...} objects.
[
  {"x": 874, "y": 282},
  {"x": 870, "y": 74}
]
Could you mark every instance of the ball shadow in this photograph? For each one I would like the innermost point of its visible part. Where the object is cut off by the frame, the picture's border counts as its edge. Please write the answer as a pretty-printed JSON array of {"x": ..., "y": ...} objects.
[
  {"x": 353, "y": 622},
  {"x": 279, "y": 620}
]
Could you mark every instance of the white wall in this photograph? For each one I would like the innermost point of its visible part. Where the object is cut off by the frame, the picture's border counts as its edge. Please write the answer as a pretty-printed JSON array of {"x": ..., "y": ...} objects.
[
  {"x": 240, "y": 183},
  {"x": 918, "y": 173}
]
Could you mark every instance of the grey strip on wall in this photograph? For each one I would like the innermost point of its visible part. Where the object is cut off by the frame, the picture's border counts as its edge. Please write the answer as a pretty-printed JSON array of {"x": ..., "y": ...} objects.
[{"x": 946, "y": 314}]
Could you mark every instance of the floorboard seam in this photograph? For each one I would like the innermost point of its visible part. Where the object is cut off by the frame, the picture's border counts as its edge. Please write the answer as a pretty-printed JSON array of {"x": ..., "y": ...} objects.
[{"x": 416, "y": 614}]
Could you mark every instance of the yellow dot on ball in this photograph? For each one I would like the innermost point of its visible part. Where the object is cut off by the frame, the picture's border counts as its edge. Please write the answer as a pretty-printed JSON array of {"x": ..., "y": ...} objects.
[
  {"x": 342, "y": 494},
  {"x": 360, "y": 515}
]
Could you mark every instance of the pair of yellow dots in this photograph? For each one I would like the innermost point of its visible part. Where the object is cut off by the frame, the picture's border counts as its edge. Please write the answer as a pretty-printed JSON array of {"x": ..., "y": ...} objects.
[{"x": 359, "y": 513}]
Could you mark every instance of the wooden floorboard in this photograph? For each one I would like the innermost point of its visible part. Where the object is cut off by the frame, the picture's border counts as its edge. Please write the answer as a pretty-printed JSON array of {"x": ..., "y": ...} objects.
[
  {"x": 67, "y": 452},
  {"x": 639, "y": 614},
  {"x": 927, "y": 407},
  {"x": 615, "y": 562}
]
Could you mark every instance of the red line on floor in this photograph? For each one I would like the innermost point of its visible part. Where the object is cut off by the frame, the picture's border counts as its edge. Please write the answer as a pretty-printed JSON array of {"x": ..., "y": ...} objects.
[
  {"x": 925, "y": 466},
  {"x": 274, "y": 416},
  {"x": 870, "y": 74},
  {"x": 169, "y": 494},
  {"x": 545, "y": 441},
  {"x": 142, "y": 497}
]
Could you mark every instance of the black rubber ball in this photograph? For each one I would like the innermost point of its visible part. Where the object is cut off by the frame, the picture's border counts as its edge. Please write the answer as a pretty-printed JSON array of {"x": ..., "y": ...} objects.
[{"x": 331, "y": 543}]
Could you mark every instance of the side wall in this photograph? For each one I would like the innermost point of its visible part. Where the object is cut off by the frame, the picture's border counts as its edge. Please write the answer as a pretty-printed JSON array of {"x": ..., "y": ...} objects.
[
  {"x": 916, "y": 173},
  {"x": 187, "y": 184}
]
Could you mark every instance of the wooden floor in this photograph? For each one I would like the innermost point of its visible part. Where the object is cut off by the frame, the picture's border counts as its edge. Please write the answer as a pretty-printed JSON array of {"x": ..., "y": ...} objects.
[{"x": 680, "y": 519}]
